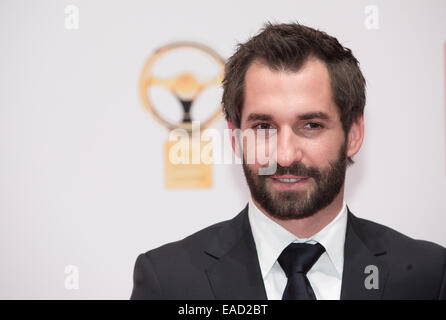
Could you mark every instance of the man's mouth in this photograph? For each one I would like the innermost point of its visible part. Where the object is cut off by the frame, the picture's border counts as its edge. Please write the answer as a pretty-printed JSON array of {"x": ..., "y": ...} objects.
[
  {"x": 289, "y": 182},
  {"x": 289, "y": 178}
]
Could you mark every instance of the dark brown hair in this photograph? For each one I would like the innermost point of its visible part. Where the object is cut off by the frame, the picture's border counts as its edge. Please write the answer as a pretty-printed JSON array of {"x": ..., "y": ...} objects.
[{"x": 288, "y": 47}]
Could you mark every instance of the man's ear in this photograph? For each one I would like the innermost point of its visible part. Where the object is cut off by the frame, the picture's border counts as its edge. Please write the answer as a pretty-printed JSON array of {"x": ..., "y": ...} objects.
[
  {"x": 355, "y": 136},
  {"x": 234, "y": 140}
]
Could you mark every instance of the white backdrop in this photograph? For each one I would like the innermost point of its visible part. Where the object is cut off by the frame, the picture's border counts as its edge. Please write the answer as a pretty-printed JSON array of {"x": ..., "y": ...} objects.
[{"x": 81, "y": 178}]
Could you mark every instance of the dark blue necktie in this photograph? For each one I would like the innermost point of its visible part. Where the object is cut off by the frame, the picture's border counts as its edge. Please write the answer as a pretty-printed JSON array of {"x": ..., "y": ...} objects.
[{"x": 296, "y": 260}]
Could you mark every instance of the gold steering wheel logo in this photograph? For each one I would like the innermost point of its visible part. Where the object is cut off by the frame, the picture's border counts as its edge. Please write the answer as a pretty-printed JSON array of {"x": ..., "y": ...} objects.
[{"x": 185, "y": 86}]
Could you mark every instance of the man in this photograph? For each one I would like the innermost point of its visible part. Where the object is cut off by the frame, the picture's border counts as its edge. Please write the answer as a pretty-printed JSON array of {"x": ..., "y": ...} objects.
[{"x": 296, "y": 238}]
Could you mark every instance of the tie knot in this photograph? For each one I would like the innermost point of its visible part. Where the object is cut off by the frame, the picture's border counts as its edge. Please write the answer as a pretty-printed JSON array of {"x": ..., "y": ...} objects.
[{"x": 299, "y": 257}]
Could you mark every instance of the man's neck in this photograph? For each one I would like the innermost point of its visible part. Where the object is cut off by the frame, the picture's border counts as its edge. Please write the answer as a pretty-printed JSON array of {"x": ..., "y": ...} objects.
[{"x": 309, "y": 226}]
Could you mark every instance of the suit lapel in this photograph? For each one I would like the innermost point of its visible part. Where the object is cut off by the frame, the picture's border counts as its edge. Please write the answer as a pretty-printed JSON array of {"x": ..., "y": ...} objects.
[
  {"x": 362, "y": 248},
  {"x": 236, "y": 273}
]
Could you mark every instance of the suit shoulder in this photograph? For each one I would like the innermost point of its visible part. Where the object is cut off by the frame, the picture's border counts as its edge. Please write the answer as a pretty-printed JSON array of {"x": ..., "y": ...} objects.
[
  {"x": 395, "y": 240},
  {"x": 194, "y": 242},
  {"x": 176, "y": 270}
]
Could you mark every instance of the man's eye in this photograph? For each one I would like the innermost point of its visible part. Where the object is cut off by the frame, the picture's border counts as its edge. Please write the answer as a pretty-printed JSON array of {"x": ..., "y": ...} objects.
[
  {"x": 313, "y": 126},
  {"x": 263, "y": 126}
]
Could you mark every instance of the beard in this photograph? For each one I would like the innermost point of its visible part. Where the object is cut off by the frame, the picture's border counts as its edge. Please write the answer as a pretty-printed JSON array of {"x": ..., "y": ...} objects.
[{"x": 323, "y": 186}]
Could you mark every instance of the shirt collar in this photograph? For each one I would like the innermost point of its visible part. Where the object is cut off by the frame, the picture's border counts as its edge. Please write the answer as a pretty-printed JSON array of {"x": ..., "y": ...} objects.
[{"x": 271, "y": 238}]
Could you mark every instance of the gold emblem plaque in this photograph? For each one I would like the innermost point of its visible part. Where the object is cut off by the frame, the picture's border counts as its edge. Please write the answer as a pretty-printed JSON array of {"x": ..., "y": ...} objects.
[{"x": 186, "y": 87}]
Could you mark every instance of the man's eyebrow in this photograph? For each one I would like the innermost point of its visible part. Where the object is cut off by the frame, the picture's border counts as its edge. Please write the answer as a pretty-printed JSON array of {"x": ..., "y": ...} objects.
[
  {"x": 258, "y": 116},
  {"x": 303, "y": 116},
  {"x": 313, "y": 115}
]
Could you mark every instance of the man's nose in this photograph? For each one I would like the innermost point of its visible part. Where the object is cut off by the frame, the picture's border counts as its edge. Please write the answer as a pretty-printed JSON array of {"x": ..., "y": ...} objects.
[{"x": 289, "y": 147}]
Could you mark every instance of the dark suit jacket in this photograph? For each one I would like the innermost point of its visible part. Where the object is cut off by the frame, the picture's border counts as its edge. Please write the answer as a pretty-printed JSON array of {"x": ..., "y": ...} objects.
[{"x": 220, "y": 262}]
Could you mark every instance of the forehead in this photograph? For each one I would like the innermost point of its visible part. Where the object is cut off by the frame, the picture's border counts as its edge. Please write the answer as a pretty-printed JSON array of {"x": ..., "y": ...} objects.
[{"x": 284, "y": 94}]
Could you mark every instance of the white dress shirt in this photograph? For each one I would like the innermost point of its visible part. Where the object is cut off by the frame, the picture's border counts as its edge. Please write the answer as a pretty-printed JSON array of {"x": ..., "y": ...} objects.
[{"x": 271, "y": 239}]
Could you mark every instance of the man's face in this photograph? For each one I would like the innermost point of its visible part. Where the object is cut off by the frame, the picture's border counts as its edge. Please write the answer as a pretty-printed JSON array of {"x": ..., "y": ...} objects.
[{"x": 310, "y": 150}]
